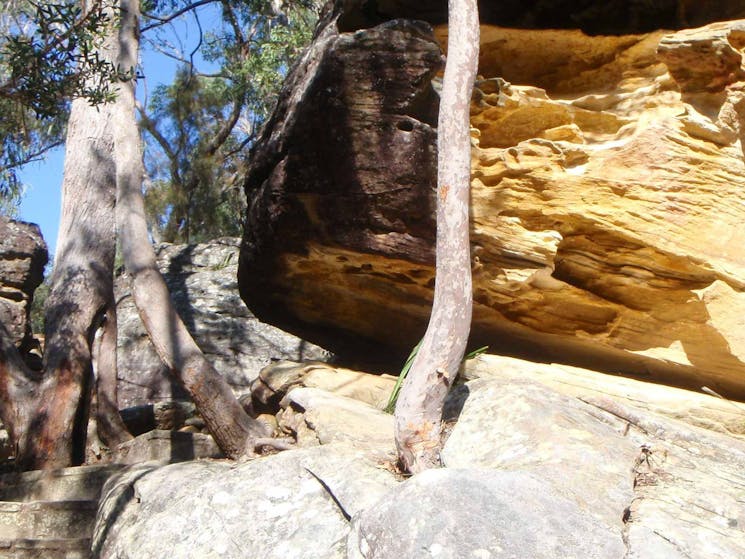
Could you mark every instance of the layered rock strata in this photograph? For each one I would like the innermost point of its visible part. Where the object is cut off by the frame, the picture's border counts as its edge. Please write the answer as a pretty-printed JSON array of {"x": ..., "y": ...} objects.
[
  {"x": 607, "y": 197},
  {"x": 23, "y": 255}
]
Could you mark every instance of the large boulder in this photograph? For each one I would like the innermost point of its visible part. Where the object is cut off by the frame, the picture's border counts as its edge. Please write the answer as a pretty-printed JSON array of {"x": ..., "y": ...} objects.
[
  {"x": 606, "y": 191},
  {"x": 296, "y": 504},
  {"x": 202, "y": 281},
  {"x": 23, "y": 255},
  {"x": 543, "y": 461}
]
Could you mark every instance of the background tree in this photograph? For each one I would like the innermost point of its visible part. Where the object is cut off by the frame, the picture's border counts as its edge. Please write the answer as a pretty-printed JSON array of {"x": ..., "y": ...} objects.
[
  {"x": 418, "y": 412},
  {"x": 48, "y": 55},
  {"x": 46, "y": 414},
  {"x": 197, "y": 128}
]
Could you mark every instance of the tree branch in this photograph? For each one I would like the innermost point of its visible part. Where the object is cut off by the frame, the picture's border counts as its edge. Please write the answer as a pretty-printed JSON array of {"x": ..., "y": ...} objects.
[
  {"x": 149, "y": 125},
  {"x": 223, "y": 133},
  {"x": 31, "y": 157},
  {"x": 163, "y": 20}
]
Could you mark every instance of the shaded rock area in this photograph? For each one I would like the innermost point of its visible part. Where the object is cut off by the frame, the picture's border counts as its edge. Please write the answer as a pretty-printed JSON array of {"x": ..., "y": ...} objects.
[
  {"x": 610, "y": 17},
  {"x": 202, "y": 280},
  {"x": 23, "y": 255},
  {"x": 606, "y": 191},
  {"x": 345, "y": 168},
  {"x": 543, "y": 461}
]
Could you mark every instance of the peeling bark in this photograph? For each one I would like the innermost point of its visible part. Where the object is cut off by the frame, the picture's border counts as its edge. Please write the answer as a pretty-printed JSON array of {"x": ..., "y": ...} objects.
[{"x": 419, "y": 409}]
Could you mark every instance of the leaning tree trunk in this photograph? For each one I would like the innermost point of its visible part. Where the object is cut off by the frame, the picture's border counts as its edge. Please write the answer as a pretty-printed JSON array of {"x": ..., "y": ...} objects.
[
  {"x": 419, "y": 408},
  {"x": 234, "y": 431}
]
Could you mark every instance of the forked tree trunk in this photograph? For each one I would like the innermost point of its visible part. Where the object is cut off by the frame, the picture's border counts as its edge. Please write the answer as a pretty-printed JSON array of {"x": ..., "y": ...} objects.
[
  {"x": 419, "y": 409},
  {"x": 81, "y": 292},
  {"x": 51, "y": 415},
  {"x": 233, "y": 430}
]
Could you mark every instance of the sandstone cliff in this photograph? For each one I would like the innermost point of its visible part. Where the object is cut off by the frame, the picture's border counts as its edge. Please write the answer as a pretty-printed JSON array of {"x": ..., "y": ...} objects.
[{"x": 608, "y": 191}]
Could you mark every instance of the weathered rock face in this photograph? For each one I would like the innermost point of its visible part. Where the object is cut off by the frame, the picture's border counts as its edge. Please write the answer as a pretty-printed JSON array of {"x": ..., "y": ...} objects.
[
  {"x": 607, "y": 196},
  {"x": 544, "y": 461},
  {"x": 202, "y": 280},
  {"x": 274, "y": 508},
  {"x": 352, "y": 147},
  {"x": 23, "y": 255}
]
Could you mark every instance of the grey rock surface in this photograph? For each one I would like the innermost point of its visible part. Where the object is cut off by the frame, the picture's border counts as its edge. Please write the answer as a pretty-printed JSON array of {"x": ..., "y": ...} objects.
[
  {"x": 166, "y": 446},
  {"x": 203, "y": 284},
  {"x": 531, "y": 471},
  {"x": 519, "y": 425},
  {"x": 670, "y": 489},
  {"x": 23, "y": 255},
  {"x": 480, "y": 514},
  {"x": 276, "y": 507}
]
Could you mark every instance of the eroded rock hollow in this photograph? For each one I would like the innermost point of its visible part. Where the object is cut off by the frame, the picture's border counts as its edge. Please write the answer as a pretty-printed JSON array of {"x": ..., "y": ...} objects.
[{"x": 608, "y": 190}]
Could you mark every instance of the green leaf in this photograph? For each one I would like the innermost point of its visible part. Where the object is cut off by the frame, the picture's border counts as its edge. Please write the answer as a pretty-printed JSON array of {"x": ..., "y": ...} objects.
[{"x": 391, "y": 406}]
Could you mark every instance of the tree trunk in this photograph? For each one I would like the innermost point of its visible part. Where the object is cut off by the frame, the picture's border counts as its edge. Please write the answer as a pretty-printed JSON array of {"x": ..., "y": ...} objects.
[
  {"x": 18, "y": 389},
  {"x": 233, "y": 430},
  {"x": 51, "y": 414},
  {"x": 419, "y": 410},
  {"x": 81, "y": 292},
  {"x": 109, "y": 425}
]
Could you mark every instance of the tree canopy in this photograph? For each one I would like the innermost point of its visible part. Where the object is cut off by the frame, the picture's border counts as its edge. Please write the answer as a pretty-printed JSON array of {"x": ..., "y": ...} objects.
[
  {"x": 48, "y": 55},
  {"x": 197, "y": 127}
]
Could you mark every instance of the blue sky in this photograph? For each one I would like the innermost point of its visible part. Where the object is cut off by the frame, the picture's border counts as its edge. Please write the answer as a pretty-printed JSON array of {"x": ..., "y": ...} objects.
[{"x": 43, "y": 179}]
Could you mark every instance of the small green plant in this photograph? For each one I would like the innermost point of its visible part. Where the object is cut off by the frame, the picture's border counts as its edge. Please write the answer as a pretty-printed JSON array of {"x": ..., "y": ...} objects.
[
  {"x": 224, "y": 263},
  {"x": 37, "y": 306},
  {"x": 391, "y": 406}
]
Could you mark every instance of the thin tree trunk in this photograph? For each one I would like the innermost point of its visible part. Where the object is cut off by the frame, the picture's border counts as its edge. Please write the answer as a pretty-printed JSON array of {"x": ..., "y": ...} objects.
[
  {"x": 233, "y": 430},
  {"x": 109, "y": 425},
  {"x": 419, "y": 409}
]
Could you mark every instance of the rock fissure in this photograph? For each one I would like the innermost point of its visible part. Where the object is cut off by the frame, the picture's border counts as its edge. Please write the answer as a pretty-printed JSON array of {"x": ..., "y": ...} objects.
[{"x": 334, "y": 498}]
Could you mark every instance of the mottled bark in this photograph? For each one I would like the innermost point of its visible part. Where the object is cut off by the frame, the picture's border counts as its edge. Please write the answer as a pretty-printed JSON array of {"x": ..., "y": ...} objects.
[
  {"x": 48, "y": 413},
  {"x": 18, "y": 388},
  {"x": 233, "y": 430},
  {"x": 419, "y": 409},
  {"x": 82, "y": 289}
]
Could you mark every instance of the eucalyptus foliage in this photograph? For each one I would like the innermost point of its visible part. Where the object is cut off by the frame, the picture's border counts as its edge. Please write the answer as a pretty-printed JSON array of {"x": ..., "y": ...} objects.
[
  {"x": 48, "y": 54},
  {"x": 198, "y": 127}
]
